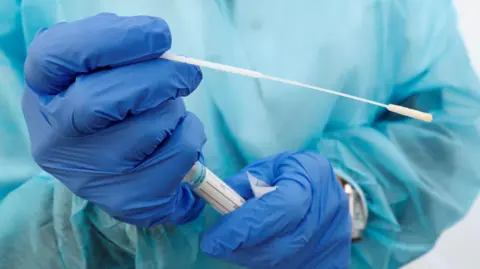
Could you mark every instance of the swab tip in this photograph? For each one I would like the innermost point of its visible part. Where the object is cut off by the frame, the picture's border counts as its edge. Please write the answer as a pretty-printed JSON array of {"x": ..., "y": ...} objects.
[{"x": 412, "y": 113}]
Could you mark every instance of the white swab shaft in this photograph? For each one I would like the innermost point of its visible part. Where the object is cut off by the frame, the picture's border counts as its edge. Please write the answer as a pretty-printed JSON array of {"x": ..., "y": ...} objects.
[
  {"x": 249, "y": 73},
  {"x": 291, "y": 82},
  {"x": 220, "y": 67}
]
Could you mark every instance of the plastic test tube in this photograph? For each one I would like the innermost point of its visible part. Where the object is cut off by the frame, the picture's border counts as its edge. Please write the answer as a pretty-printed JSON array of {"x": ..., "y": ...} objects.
[{"x": 212, "y": 189}]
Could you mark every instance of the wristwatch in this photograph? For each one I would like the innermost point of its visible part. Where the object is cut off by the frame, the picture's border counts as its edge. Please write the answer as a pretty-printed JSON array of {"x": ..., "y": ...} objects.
[{"x": 358, "y": 209}]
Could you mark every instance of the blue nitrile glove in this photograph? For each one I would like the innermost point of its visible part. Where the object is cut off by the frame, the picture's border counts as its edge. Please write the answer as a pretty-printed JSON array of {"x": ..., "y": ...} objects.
[
  {"x": 305, "y": 223},
  {"x": 106, "y": 117}
]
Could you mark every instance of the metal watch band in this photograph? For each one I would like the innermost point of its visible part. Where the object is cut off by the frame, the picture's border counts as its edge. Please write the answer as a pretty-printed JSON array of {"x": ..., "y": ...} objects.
[{"x": 358, "y": 212}]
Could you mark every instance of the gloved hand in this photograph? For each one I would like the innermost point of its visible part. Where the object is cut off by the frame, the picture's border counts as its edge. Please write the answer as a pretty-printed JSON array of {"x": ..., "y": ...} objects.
[
  {"x": 305, "y": 223},
  {"x": 106, "y": 116}
]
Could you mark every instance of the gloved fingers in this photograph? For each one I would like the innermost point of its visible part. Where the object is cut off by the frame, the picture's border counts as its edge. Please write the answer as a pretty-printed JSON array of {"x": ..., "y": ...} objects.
[
  {"x": 316, "y": 167},
  {"x": 295, "y": 250},
  {"x": 265, "y": 255},
  {"x": 165, "y": 167},
  {"x": 123, "y": 146},
  {"x": 260, "y": 220},
  {"x": 181, "y": 207},
  {"x": 182, "y": 148},
  {"x": 96, "y": 101},
  {"x": 58, "y": 54},
  {"x": 255, "y": 237},
  {"x": 263, "y": 170},
  {"x": 240, "y": 184},
  {"x": 175, "y": 157}
]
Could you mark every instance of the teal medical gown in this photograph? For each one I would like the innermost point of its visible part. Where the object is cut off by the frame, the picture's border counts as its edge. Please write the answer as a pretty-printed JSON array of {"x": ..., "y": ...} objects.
[{"x": 418, "y": 178}]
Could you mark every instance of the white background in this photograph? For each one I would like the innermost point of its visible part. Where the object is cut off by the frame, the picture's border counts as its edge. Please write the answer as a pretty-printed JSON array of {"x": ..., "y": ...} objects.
[{"x": 459, "y": 247}]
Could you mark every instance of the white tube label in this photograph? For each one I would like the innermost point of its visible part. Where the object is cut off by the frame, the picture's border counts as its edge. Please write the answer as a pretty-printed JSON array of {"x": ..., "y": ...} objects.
[{"x": 218, "y": 194}]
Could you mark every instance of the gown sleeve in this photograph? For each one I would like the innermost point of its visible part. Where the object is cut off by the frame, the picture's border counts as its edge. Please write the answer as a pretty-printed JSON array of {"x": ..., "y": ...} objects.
[{"x": 418, "y": 178}]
